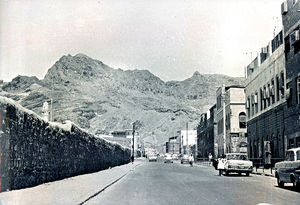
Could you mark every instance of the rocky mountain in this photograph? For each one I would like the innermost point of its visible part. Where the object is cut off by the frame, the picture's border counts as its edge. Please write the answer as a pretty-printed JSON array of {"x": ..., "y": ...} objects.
[{"x": 100, "y": 99}]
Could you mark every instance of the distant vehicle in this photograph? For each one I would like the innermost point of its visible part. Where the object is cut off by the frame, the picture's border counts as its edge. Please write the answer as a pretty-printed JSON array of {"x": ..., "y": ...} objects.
[
  {"x": 185, "y": 159},
  {"x": 168, "y": 158},
  {"x": 152, "y": 158},
  {"x": 175, "y": 156},
  {"x": 288, "y": 171},
  {"x": 238, "y": 163}
]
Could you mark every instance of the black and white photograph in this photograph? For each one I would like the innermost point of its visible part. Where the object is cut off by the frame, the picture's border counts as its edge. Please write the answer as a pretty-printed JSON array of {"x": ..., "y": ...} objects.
[{"x": 150, "y": 102}]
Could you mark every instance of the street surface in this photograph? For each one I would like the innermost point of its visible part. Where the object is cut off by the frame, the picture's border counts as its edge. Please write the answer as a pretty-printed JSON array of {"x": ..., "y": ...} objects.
[{"x": 159, "y": 183}]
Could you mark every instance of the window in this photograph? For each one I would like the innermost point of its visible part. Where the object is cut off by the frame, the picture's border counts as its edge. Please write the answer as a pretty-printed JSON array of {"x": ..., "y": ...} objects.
[
  {"x": 261, "y": 99},
  {"x": 268, "y": 94},
  {"x": 242, "y": 120},
  {"x": 248, "y": 106},
  {"x": 272, "y": 91},
  {"x": 287, "y": 46},
  {"x": 256, "y": 102},
  {"x": 265, "y": 97},
  {"x": 252, "y": 105},
  {"x": 298, "y": 89},
  {"x": 298, "y": 155},
  {"x": 298, "y": 142},
  {"x": 277, "y": 88},
  {"x": 282, "y": 84},
  {"x": 220, "y": 126}
]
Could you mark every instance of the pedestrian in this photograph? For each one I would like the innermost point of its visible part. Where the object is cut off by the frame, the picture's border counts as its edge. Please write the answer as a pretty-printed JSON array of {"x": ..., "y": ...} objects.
[
  {"x": 191, "y": 160},
  {"x": 221, "y": 164},
  {"x": 132, "y": 159},
  {"x": 209, "y": 158}
]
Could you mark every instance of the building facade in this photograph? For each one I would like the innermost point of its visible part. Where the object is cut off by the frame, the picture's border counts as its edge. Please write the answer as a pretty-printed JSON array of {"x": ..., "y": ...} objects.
[
  {"x": 265, "y": 101},
  {"x": 188, "y": 142},
  {"x": 230, "y": 117},
  {"x": 174, "y": 145},
  {"x": 205, "y": 134},
  {"x": 291, "y": 24}
]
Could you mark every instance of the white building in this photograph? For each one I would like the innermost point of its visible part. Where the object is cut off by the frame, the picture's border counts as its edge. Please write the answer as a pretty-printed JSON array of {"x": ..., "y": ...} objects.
[
  {"x": 231, "y": 120},
  {"x": 188, "y": 141}
]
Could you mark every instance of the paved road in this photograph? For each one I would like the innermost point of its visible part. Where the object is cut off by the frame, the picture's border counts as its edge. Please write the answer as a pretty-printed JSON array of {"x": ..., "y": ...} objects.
[{"x": 159, "y": 183}]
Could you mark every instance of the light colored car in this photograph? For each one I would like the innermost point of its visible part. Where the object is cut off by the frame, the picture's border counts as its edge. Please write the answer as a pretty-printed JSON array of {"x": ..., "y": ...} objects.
[
  {"x": 185, "y": 159},
  {"x": 238, "y": 163},
  {"x": 175, "y": 156},
  {"x": 168, "y": 158},
  {"x": 288, "y": 171},
  {"x": 152, "y": 158}
]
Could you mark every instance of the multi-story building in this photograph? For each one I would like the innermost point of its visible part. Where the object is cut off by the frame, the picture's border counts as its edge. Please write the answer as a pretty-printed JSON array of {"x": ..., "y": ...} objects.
[
  {"x": 188, "y": 142},
  {"x": 291, "y": 24},
  {"x": 231, "y": 120},
  {"x": 174, "y": 145},
  {"x": 265, "y": 101},
  {"x": 205, "y": 133}
]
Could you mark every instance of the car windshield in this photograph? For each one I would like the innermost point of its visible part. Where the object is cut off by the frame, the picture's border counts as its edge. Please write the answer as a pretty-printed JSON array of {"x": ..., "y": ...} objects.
[
  {"x": 290, "y": 156},
  {"x": 236, "y": 157}
]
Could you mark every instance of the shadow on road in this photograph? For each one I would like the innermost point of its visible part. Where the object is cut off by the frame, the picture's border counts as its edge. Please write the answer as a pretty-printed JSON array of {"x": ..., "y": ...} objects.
[
  {"x": 236, "y": 175},
  {"x": 290, "y": 188}
]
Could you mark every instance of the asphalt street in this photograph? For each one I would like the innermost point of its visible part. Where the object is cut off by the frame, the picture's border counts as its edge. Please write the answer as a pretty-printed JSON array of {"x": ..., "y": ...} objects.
[{"x": 160, "y": 183}]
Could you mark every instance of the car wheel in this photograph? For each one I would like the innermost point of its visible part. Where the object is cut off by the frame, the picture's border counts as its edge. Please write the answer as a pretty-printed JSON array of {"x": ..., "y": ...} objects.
[
  {"x": 247, "y": 174},
  {"x": 295, "y": 184},
  {"x": 226, "y": 173},
  {"x": 279, "y": 182}
]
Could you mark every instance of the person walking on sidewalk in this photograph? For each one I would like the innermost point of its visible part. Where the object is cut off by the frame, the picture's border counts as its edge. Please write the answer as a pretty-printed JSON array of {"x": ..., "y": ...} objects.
[
  {"x": 221, "y": 164},
  {"x": 132, "y": 159},
  {"x": 209, "y": 158},
  {"x": 191, "y": 160}
]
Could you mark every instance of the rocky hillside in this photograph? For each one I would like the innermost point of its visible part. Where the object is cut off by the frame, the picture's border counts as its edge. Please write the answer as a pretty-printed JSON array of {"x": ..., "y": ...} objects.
[{"x": 100, "y": 99}]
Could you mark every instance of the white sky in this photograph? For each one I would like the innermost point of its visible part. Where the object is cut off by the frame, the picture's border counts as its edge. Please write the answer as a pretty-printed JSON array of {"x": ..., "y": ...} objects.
[{"x": 171, "y": 38}]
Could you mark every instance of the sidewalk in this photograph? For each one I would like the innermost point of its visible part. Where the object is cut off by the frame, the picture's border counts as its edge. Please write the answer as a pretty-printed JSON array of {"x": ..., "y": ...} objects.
[
  {"x": 264, "y": 172},
  {"x": 74, "y": 190}
]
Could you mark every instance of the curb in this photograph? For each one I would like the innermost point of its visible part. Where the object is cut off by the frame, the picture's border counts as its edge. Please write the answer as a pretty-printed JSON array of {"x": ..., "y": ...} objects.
[
  {"x": 107, "y": 186},
  {"x": 263, "y": 174}
]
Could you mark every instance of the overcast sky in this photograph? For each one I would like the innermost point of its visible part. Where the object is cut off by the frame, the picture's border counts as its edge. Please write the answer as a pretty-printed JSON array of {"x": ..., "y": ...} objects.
[{"x": 171, "y": 38}]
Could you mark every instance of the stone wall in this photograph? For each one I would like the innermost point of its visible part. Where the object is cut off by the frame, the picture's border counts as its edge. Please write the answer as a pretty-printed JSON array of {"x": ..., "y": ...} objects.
[{"x": 34, "y": 151}]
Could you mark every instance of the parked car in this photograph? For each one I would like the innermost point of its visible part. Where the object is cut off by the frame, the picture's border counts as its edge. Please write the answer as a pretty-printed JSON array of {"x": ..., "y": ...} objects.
[
  {"x": 175, "y": 156},
  {"x": 288, "y": 171},
  {"x": 168, "y": 158},
  {"x": 185, "y": 159},
  {"x": 152, "y": 158},
  {"x": 238, "y": 163}
]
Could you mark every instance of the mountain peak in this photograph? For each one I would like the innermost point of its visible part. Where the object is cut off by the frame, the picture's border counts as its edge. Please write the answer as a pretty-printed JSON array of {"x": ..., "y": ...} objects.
[
  {"x": 81, "y": 55},
  {"x": 196, "y": 73}
]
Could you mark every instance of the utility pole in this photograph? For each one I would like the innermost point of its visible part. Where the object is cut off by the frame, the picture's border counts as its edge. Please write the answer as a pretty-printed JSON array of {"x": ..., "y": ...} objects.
[
  {"x": 187, "y": 137},
  {"x": 133, "y": 131}
]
